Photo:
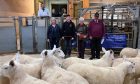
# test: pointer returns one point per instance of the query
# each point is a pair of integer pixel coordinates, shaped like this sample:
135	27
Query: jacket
54	32
68	29
96	29
82	29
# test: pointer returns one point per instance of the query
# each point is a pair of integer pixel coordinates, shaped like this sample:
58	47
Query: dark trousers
67	47
95	48
81	48
54	41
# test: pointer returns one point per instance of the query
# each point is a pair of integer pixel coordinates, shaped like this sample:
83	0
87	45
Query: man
54	33
68	33
43	11
96	31
81	29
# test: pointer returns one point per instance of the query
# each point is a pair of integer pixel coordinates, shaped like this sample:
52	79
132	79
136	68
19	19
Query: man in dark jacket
54	33
96	31
68	34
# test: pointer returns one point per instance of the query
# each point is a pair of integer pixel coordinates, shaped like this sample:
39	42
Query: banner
115	41
110	41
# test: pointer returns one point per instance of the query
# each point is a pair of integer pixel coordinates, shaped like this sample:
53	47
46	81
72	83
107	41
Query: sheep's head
130	64
8	69
109	54
59	53
54	52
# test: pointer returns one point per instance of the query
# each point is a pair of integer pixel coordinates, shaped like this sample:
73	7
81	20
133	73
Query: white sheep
105	61
54	74
17	76
137	69
26	59
129	52
34	68
103	75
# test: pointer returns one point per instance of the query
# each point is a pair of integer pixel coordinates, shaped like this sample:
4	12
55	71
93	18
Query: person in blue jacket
54	33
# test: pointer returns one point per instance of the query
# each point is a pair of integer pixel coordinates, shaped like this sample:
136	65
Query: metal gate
7	34
33	34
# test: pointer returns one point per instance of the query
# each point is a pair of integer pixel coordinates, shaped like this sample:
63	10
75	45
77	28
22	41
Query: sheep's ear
124	58
17	57
12	63
103	49
45	53
59	47
54	47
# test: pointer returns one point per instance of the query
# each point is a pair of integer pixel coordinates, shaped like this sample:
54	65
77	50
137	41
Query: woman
81	34
54	33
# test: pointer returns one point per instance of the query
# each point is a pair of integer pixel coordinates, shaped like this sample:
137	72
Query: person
64	12
54	33
43	11
96	31
68	34
81	30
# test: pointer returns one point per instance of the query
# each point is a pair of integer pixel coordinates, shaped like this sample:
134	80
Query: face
59	53
68	18
53	21
96	17
42	5
108	53
6	70
81	22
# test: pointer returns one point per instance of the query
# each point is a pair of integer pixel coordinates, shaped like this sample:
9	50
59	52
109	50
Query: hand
90	37
78	34
85	36
62	37
48	40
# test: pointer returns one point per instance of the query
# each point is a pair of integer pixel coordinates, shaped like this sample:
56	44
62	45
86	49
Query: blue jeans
67	47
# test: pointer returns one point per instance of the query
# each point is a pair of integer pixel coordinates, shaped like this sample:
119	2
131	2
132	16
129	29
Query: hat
81	19
67	15
53	18
96	14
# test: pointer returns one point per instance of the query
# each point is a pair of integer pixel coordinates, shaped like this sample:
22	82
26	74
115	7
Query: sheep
137	69
34	68
106	60
54	74
25	59
17	75
103	75
129	52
